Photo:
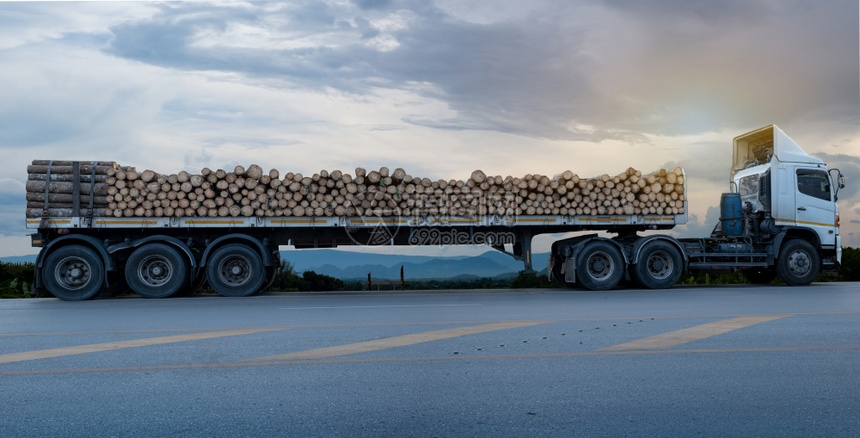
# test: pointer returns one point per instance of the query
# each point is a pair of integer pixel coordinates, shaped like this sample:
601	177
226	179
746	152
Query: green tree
850	268
319	282
15	279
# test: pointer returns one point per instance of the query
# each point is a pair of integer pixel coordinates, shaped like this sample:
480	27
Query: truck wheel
74	273
798	263
659	266
156	271
599	266
759	275
235	271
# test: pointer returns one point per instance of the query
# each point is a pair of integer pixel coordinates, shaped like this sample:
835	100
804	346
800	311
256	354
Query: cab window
815	183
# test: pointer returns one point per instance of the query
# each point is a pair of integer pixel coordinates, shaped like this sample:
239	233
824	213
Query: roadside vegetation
16	278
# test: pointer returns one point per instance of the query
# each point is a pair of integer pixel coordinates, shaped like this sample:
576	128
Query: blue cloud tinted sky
437	87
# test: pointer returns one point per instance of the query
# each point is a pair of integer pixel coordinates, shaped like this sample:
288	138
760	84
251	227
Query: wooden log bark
66	178
378	192
65	187
64	197
69	163
61	212
68	170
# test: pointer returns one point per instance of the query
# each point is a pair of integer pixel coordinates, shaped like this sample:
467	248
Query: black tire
599	266
659	267
74	273
759	275
156	270
798	263
235	270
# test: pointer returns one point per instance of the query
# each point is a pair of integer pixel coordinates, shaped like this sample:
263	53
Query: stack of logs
125	192
65	188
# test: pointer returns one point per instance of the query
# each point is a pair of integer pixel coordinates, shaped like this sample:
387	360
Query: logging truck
104	228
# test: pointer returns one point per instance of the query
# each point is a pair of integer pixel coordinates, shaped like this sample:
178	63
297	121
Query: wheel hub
155	271
660	265
72	273
600	265
235	270
799	263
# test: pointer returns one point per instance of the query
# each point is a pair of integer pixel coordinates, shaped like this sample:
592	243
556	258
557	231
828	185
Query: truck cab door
814	203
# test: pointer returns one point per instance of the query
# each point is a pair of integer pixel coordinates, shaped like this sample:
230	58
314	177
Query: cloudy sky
439	88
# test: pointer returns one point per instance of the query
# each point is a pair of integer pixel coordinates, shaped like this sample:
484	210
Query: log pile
66	188
124	192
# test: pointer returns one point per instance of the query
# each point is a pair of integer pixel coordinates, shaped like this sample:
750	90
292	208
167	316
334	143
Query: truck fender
577	248
261	248
777	244
795	233
62	241
639	244
180	245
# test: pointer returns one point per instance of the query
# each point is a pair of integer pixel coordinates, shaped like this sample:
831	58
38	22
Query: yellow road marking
396	341
692	334
118	345
596	353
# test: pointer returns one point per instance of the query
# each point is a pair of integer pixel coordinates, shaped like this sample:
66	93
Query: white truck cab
788	187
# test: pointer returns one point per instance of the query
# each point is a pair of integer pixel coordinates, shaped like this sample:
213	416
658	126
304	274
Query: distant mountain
19	259
348	265
307	259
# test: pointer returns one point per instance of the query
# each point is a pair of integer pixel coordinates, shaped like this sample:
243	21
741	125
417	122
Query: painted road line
393	306
397	341
118	345
692	334
596	353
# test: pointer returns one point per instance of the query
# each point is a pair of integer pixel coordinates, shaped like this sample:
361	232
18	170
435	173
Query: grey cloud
850	168
726	66
12	209
28	125
706	11
700	163
695	228
372	4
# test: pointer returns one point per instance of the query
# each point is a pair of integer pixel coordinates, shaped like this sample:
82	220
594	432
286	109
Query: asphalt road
690	361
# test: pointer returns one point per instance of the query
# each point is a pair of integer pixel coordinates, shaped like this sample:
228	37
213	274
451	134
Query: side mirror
840	181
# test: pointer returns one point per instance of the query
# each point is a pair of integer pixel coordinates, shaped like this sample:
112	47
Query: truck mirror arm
839	179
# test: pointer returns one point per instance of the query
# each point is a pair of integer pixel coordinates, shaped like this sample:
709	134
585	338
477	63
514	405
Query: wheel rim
600	266
660	265
799	263
155	271
235	270
73	273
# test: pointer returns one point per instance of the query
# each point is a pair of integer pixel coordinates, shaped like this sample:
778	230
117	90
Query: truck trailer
778	219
